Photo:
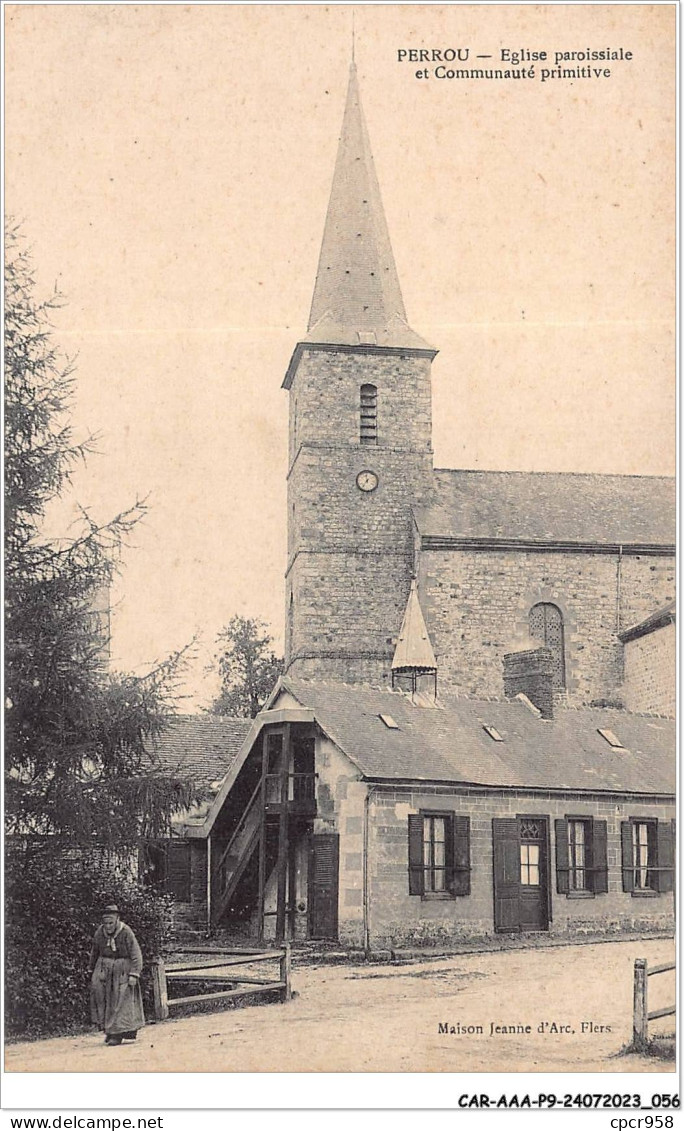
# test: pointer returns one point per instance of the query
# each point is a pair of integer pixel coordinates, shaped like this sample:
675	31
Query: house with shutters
474	730
383	818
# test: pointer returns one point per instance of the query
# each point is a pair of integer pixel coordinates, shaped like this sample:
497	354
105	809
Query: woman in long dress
116	962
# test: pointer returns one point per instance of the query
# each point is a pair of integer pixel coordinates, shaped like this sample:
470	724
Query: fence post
640	1029
285	972
159	991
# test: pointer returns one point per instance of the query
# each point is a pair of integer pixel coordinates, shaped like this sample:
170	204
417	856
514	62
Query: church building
474	731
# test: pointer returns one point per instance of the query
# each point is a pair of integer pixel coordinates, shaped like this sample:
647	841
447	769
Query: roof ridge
208	715
344	683
565	474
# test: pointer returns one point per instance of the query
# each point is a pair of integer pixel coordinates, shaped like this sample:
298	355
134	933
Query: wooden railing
218	966
300	790
642	973
246	813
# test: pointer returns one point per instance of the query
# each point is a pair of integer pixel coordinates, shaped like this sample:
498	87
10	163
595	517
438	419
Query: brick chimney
531	672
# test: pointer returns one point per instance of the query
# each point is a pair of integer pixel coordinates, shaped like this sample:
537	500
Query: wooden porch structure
281	804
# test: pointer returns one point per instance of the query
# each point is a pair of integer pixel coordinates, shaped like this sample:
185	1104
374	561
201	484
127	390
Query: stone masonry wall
350	553
325	399
650	672
397	918
341	798
347	612
476	604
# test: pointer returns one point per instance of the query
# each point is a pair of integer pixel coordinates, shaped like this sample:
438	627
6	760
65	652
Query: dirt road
387	1019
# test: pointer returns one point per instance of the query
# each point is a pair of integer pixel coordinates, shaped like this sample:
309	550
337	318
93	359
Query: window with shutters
643	853
368	429
581	856
434	854
439	855
578	860
546	626
644	858
647	856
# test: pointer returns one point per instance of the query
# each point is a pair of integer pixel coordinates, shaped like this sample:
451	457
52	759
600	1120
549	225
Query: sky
171	166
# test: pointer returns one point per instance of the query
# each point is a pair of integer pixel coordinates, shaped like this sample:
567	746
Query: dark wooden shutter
460	881
599	856
178	870
415	853
666	855
506	844
562	856
627	856
324	885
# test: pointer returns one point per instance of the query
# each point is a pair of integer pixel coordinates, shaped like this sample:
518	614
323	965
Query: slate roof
357	297
659	619
202	747
451	745
548	506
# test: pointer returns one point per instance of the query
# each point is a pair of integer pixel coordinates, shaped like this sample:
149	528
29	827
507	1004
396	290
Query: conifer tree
77	770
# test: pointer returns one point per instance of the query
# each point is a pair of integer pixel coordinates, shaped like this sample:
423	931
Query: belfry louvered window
368	431
546	626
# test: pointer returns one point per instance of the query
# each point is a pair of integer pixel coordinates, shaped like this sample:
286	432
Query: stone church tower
360	446
504	562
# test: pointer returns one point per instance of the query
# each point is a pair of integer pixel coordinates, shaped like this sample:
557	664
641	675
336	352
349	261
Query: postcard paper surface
448	233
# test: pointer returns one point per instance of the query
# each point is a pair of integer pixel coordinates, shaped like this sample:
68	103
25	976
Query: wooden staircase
231	864
278	799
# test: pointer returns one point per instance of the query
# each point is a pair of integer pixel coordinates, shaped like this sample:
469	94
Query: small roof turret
414	650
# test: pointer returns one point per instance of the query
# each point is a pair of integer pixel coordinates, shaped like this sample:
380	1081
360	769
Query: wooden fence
641	1015
220	966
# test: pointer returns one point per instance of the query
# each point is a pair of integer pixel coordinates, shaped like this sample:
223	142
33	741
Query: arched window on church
368	431
546	626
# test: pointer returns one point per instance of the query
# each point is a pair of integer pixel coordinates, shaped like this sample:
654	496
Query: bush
54	902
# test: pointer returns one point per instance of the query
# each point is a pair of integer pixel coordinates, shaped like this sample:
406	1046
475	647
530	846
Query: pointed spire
357	298
414	649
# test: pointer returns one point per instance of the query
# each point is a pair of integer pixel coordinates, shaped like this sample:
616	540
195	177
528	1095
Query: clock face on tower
366	480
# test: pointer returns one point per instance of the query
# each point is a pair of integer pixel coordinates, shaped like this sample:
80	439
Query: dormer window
611	738
368	421
389	722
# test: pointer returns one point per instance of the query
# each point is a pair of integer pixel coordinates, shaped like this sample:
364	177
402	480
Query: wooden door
533	874
323	885
506	844
521	895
